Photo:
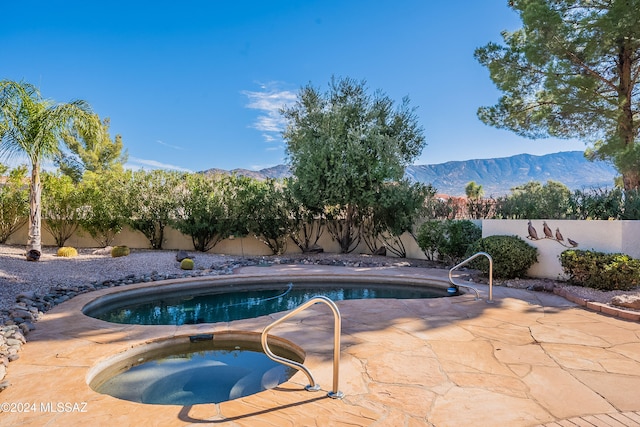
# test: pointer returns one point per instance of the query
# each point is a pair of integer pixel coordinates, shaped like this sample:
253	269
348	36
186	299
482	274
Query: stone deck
528	359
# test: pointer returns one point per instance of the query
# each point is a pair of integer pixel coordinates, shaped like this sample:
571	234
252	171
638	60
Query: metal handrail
466	261
313	386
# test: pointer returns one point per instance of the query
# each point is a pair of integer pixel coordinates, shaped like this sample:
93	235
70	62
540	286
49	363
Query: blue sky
193	85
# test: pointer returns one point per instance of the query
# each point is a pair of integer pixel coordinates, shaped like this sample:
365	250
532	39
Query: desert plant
267	214
104	216
449	239
14	205
63	206
431	235
187	264
512	256
204	212
153	202
67	252
461	234
535	201
601	270
118	251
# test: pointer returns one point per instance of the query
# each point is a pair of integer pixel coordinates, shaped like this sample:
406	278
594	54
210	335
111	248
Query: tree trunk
35	216
626	125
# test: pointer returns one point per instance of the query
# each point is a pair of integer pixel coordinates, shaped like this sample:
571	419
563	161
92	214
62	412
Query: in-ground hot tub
194	369
226	300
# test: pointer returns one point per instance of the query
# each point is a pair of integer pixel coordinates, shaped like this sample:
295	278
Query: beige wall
604	236
174	240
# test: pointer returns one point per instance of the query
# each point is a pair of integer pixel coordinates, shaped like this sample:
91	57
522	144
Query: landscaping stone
627	301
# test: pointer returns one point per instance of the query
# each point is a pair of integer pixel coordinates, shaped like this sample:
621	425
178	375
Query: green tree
14	201
152	202
572	71
204	213
268	215
105	214
32	126
308	225
63	205
473	190
533	200
342	146
90	151
395	212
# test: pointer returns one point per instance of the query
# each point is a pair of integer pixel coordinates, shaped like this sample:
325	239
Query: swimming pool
230	302
207	368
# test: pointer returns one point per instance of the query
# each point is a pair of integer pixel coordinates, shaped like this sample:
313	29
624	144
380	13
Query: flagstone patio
528	359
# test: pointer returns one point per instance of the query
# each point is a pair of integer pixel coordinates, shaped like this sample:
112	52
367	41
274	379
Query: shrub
511	255
600	270
450	239
67	251
461	235
119	251
431	236
187	264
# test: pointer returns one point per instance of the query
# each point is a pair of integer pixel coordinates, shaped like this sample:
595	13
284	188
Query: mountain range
497	176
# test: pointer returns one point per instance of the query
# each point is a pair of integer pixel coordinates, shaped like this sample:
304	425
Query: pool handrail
313	386
466	261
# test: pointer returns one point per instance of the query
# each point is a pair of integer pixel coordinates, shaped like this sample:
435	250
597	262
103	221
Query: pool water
227	304
199	376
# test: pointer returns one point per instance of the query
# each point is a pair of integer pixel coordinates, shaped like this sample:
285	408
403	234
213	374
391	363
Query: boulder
315	249
382	250
33	255
103	251
627	301
182	255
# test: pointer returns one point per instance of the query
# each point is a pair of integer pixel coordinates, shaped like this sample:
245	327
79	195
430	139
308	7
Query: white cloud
136	163
269	101
175	147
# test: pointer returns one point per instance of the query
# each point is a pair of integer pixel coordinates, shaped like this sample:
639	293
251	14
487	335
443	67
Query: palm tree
32	126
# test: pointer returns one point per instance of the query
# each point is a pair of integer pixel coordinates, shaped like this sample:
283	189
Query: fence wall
604	236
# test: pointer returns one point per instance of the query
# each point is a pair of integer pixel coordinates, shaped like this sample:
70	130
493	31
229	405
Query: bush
67	251
187	264
461	235
600	270
511	255
119	251
431	237
450	239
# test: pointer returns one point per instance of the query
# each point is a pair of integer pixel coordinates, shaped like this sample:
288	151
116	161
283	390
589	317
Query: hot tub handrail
313	386
468	260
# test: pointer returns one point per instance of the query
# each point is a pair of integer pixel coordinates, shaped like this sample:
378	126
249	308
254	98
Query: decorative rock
182	255
382	250
315	249
103	251
627	301
33	255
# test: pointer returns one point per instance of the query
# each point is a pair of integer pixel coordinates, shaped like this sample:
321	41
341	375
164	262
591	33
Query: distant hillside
497	176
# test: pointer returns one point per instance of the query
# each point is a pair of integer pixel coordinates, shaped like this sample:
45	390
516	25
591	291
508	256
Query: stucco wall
604	236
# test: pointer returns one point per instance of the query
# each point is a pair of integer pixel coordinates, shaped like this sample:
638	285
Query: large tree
342	146
90	151
572	71
31	125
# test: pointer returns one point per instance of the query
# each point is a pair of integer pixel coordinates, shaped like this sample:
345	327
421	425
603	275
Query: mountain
497	176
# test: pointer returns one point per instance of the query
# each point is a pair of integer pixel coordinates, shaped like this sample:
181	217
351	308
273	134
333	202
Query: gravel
18	276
